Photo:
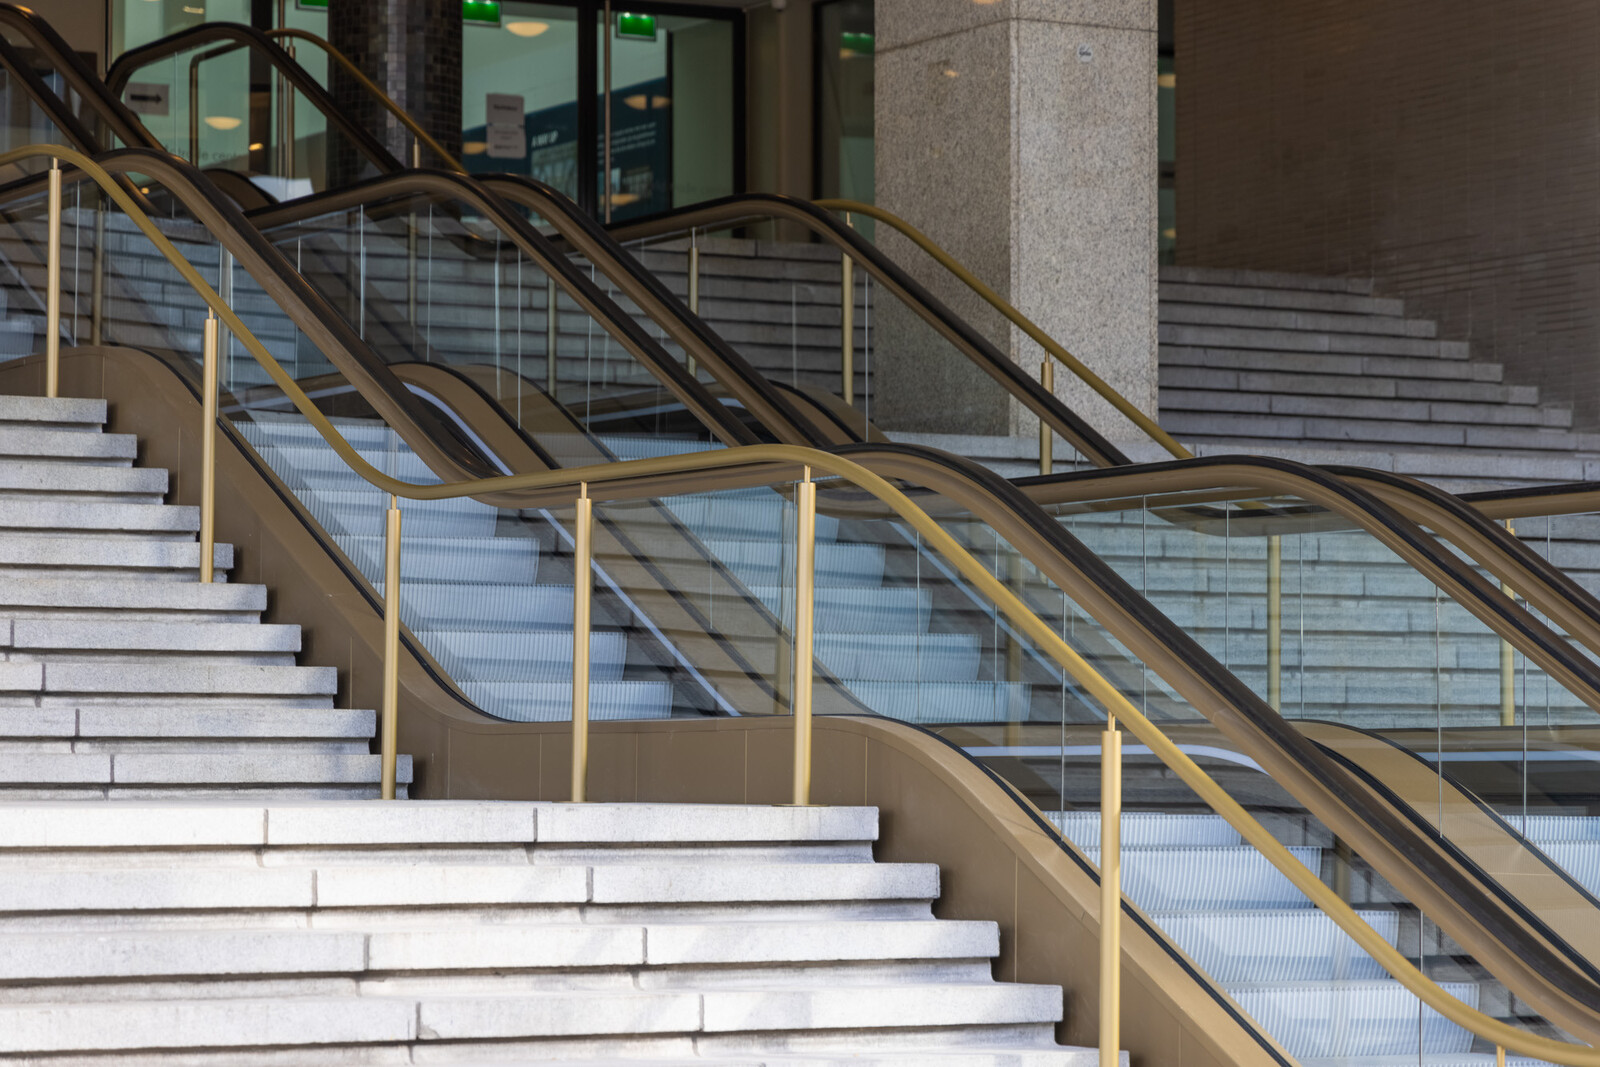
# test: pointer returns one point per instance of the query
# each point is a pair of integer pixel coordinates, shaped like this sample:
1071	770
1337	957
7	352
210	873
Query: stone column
1021	135
412	48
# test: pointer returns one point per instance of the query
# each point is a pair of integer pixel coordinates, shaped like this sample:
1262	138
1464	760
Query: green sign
482	12
636	27
859	44
317	5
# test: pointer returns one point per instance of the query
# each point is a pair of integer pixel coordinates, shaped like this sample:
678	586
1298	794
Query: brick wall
1448	148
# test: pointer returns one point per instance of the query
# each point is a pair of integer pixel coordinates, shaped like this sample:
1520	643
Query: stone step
53	446
131	599
158	675
152	723
1297	341
1202	387
1331	363
70	889
234	823
375	1020
66	519
1177	313
46	636
112	774
25	480
145	954
1257	279
60	413
1174	292
89	556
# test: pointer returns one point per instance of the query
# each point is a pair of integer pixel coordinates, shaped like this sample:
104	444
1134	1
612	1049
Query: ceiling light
474	148
223	122
1167	81
659	102
527	28
638	101
623	199
257	146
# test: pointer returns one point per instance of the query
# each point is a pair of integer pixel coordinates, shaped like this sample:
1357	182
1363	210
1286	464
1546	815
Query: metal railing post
1275	621
52	307
582	582
391	646
1508	664
694	283
552	314
847	326
1110	892
1047	440
208	453
805	539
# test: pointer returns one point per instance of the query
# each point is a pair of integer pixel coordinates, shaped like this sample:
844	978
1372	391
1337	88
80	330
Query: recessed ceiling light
223	122
527	28
257	146
638	101
474	148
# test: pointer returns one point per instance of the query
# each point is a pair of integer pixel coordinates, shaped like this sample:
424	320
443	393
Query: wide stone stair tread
314	1020
82	552
224	770
66	446
47	634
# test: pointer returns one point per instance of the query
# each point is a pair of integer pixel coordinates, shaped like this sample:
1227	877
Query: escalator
934	618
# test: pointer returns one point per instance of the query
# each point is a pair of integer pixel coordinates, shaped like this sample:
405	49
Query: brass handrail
1127	407
374	89
631	480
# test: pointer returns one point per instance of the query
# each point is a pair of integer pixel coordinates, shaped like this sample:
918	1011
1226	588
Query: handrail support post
391	647
1275	621
1110	892
582	588
1508	663
847	325
208	453
52	312
805	538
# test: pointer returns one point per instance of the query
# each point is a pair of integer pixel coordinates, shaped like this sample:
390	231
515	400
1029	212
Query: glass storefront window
519	95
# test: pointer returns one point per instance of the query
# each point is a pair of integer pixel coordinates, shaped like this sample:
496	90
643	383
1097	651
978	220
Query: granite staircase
122	675
235	933
1324	371
188	875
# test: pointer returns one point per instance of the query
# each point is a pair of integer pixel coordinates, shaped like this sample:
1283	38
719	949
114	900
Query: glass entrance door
673	76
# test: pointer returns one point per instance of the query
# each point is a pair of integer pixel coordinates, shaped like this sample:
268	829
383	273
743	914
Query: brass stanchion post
1275	621
391	647
208	452
1110	892
847	326
582	555
805	538
52	306
1508	665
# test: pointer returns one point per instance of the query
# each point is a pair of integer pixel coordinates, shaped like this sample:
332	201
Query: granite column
1021	135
